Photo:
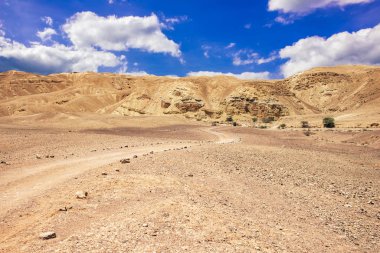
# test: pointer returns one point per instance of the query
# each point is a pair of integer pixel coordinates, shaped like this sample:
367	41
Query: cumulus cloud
86	30
361	47
244	75
46	34
49	59
305	6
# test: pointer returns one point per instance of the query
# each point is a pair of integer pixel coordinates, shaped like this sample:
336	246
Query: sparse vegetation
254	120
329	122
229	118
305	124
307	132
263	127
234	123
267	120
282	126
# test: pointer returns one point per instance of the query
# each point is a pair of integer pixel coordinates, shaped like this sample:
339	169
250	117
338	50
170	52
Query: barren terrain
94	162
202	189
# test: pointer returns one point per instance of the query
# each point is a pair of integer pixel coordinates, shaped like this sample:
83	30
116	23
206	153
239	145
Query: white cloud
49	59
231	45
244	57
284	20
244	75
247	26
47	20
46	34
206	51
137	73
86	29
361	47
110	1
168	23
305	6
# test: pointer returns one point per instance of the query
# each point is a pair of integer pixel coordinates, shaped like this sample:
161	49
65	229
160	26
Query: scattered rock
190	175
145	225
38	156
151	152
81	194
104	174
48	235
127	160
135	156
117	170
65	209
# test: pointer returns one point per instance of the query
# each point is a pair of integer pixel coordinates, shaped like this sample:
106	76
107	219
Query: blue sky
248	39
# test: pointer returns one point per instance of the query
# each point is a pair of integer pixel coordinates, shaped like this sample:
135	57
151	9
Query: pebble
48	235
127	160
81	194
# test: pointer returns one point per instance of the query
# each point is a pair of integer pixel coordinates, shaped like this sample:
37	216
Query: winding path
19	185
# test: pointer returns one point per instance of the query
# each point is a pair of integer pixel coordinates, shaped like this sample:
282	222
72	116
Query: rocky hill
345	91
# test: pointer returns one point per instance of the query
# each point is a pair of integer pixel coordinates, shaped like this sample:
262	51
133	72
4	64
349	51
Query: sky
248	39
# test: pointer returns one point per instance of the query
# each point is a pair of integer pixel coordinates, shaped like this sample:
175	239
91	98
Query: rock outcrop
319	91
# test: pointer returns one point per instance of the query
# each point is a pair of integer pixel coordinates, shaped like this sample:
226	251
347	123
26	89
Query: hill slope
345	91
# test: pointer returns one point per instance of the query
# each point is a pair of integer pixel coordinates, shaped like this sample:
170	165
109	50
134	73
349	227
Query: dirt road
229	190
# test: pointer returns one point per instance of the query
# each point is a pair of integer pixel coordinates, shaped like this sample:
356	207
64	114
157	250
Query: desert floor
191	188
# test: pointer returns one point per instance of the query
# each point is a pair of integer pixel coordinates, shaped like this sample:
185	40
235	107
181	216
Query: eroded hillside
336	90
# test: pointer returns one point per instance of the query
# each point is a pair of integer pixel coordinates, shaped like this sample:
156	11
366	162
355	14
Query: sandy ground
202	189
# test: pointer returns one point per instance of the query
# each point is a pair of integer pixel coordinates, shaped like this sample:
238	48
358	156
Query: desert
190	126
106	171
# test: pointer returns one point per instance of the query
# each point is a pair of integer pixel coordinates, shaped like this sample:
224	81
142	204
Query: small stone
190	175
117	170
151	152
104	174
38	156
145	225
65	209
123	161
135	156
48	235
81	194
371	202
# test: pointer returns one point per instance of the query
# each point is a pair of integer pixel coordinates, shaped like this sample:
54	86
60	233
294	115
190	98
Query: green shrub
328	122
254	120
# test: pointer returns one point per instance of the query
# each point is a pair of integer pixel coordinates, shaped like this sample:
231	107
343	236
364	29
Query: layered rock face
322	90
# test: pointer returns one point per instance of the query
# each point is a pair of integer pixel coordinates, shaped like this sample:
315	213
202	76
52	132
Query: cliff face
318	91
